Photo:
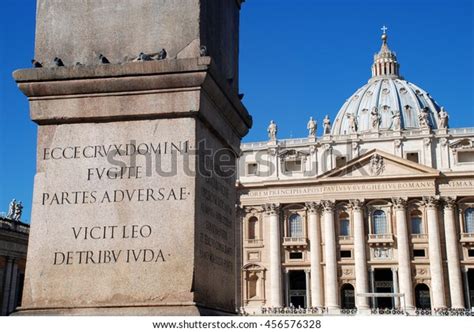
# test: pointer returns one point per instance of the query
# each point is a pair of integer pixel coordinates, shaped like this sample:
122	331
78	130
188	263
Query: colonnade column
466	289
436	263
276	294
404	260
360	257
454	266
314	226
330	279
396	290
308	295
372	286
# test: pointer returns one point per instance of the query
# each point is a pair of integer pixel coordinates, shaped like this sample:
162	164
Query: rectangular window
470	252
416	225
419	253
341	161
296	255
346	254
466	156
413	156
252	169
293	166
380	222
296	225
344	231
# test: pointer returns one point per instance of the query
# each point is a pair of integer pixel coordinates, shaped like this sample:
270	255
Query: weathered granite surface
126	217
79	31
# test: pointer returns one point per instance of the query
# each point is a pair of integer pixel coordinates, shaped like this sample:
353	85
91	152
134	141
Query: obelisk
139	124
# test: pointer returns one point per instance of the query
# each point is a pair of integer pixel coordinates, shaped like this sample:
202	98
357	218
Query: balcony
295	242
253	243
380	239
419	238
467	238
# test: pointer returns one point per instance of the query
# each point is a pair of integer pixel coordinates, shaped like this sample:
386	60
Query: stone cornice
129	78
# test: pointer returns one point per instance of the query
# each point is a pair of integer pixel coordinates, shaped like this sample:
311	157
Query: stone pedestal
133	207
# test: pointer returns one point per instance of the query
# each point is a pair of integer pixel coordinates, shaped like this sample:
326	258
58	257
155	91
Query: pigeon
36	64
241	96
203	50
58	62
103	59
161	55
144	57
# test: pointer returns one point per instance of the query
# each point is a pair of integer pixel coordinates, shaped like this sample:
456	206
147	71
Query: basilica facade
377	212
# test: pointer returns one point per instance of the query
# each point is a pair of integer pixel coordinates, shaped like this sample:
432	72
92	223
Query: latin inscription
363	187
111	234
217	246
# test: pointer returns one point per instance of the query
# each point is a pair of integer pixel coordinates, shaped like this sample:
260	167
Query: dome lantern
385	61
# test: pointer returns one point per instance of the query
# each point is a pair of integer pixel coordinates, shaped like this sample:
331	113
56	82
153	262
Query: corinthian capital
399	203
431	202
356	204
271	208
313	207
327	206
449	202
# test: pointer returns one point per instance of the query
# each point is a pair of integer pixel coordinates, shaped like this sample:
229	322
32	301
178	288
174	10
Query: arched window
469	220
252	228
416	222
380	222
422	296
296	225
344	224
347	297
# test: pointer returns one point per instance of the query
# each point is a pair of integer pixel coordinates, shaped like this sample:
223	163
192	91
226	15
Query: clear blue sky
298	58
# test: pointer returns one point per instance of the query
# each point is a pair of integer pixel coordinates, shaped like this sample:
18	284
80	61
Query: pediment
464	143
376	163
292	154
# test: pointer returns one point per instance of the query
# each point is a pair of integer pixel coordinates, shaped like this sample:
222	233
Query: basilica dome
387	101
